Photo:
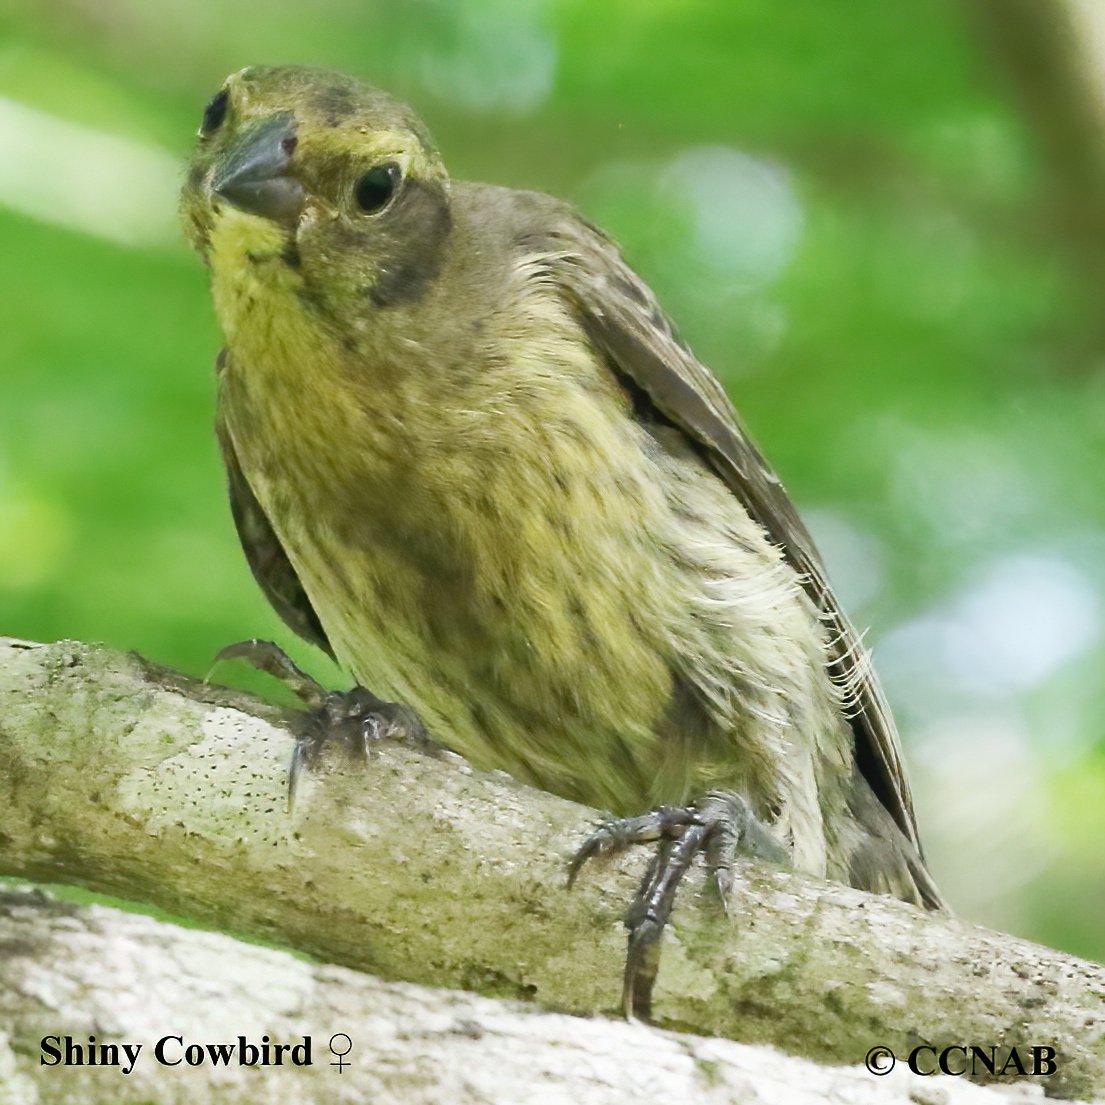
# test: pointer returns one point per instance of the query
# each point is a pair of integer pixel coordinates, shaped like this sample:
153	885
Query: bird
471	459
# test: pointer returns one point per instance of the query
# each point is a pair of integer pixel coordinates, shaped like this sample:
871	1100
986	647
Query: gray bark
131	781
77	971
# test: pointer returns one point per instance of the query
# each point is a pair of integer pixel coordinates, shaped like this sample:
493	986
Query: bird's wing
266	556
621	315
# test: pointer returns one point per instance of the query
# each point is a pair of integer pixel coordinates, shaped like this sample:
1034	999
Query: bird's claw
269	657
354	720
719	826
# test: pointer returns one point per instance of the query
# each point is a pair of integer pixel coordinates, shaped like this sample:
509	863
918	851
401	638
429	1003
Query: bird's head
317	173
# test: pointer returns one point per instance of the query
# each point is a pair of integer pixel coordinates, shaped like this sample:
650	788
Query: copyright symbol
880	1060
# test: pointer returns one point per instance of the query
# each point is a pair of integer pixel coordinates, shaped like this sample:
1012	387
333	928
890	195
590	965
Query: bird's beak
254	176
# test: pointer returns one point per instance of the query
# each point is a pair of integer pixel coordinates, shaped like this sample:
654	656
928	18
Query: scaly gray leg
721	826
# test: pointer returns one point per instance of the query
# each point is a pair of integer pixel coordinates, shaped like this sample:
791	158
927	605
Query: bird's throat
250	275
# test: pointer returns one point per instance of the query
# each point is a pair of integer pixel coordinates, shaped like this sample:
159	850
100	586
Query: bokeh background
882	224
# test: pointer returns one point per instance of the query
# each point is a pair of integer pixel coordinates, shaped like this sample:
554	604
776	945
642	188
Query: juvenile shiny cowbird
469	458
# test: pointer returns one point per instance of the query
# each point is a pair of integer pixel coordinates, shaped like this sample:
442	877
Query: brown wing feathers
621	316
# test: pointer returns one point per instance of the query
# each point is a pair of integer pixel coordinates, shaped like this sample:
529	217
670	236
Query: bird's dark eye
375	189
214	113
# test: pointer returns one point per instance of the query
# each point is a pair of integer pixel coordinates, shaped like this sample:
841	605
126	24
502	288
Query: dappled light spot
496	56
1017	624
35	536
86	180
745	218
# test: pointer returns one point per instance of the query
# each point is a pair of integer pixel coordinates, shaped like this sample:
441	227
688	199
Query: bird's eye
376	188
214	113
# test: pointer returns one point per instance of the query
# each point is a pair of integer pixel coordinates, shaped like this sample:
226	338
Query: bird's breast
487	554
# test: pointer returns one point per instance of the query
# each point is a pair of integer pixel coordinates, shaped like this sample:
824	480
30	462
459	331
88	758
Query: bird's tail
880	858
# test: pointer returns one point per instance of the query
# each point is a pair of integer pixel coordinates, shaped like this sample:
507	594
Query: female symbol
340	1045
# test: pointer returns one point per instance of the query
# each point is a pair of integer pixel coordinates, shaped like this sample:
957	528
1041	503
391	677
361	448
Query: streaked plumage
469	457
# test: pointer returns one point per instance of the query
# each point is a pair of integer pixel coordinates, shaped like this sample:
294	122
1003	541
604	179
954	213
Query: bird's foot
721	826
353	720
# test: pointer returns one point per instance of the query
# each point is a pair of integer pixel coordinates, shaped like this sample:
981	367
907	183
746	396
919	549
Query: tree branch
128	780
76	971
1050	56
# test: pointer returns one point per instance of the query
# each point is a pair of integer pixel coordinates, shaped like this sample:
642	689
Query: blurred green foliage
846	216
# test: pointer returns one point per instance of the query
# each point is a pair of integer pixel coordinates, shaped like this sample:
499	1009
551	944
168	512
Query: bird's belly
555	660
561	686
553	612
